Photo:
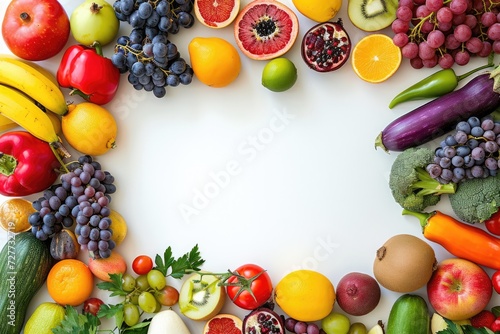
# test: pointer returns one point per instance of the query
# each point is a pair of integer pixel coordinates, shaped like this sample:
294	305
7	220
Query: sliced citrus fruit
265	29
375	58
216	13
223	324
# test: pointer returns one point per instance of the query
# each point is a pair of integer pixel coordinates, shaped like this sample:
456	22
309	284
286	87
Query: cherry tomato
253	286
142	264
495	279
92	305
493	223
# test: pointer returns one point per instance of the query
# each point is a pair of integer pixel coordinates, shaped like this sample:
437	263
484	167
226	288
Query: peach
459	289
101	268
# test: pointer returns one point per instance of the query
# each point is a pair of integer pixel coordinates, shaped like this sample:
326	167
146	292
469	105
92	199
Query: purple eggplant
439	116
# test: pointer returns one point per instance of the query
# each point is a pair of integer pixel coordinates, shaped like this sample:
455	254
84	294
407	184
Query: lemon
318	10
305	295
215	61
118	226
279	74
14	214
46	316
89	128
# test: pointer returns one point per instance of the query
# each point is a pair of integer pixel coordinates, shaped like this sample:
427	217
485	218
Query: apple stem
95	8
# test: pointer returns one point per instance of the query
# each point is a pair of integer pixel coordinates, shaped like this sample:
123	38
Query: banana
20	108
6	124
34	82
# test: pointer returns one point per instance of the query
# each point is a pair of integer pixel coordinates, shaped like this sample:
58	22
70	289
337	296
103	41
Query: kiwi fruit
201	297
372	15
404	263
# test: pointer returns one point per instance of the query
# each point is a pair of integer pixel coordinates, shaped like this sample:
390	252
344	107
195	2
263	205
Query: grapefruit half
216	13
223	324
265	29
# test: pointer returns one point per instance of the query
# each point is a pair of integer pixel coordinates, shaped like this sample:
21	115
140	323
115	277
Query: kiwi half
372	15
201	297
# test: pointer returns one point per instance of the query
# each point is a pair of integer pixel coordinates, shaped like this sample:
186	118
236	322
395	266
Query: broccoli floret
476	200
411	186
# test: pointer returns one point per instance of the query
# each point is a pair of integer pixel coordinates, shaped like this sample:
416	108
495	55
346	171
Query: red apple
35	29
459	289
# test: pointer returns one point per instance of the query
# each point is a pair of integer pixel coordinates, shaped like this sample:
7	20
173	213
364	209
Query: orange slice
216	13
375	58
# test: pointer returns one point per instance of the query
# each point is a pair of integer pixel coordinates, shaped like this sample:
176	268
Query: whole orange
70	282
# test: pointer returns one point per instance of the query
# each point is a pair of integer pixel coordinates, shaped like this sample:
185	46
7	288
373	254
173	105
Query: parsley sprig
177	268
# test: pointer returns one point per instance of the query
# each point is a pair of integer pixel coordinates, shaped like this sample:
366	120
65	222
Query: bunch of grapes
151	59
301	327
83	195
437	32
472	151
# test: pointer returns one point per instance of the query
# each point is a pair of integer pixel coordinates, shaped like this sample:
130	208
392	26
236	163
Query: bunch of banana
35	81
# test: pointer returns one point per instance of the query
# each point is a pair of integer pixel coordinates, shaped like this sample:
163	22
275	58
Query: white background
312	194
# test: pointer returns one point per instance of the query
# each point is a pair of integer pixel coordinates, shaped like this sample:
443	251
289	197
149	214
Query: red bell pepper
88	73
27	164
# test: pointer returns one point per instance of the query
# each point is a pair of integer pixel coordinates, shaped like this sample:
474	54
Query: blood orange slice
223	324
216	13
265	29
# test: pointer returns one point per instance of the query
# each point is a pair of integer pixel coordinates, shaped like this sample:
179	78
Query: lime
279	74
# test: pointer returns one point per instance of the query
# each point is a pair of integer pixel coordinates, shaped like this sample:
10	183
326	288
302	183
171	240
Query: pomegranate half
326	46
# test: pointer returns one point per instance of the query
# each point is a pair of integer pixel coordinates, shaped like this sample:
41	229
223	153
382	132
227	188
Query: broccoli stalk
411	185
426	185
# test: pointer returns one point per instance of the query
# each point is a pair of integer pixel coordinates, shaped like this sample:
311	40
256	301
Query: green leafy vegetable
115	285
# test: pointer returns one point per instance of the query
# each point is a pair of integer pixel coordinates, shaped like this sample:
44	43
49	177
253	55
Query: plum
358	293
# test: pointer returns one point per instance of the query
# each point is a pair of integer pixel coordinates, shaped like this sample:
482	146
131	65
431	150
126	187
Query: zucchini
25	263
409	315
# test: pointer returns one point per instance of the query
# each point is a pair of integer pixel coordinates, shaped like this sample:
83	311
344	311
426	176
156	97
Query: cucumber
409	315
25	263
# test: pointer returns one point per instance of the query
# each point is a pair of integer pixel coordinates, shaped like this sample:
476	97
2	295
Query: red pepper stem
79	93
465	75
98	47
8	164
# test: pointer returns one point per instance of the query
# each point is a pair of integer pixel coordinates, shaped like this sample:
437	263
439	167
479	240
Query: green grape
158	307
134	298
156	279
128	283
147	302
336	323
141	282
358	328
130	314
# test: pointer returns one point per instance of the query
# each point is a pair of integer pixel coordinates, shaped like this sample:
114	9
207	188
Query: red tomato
495	279
249	279
92	305
493	223
142	264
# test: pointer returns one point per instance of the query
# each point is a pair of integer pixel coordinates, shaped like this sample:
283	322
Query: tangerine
70	282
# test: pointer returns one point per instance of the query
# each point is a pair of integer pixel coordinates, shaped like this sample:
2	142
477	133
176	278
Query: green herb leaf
140	328
109	311
190	261
115	286
75	323
453	328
